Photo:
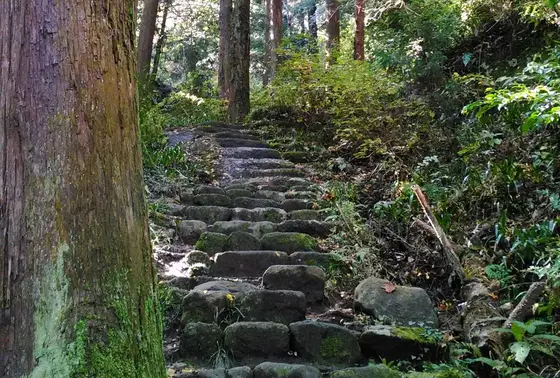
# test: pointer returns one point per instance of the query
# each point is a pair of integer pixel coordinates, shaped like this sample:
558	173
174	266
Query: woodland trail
246	278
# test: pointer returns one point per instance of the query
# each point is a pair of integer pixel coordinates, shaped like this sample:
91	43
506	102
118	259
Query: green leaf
547	337
520	351
518	330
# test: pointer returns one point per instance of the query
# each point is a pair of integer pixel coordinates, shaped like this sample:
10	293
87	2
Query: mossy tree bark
333	29
239	105
77	295
275	30
225	50
359	31
146	40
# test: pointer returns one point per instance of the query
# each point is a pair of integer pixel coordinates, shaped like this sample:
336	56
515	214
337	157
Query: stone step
253	203
305	215
236	142
300	195
216	127
257	163
255	173
236	135
282	183
257	339
289	242
308	279
247	263
310	227
259	229
207	214
259	214
250	153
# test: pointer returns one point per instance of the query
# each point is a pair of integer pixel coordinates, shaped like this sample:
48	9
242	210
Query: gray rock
251	153
240	372
296	204
289	242
400	343
253	203
172	208
304	215
200	340
325	343
234	142
271	195
212	242
308	279
243	241
237	193
208	189
300	195
190	230
186	197
202	307
269	214
198	257
247	263
406	306
310	227
212	200
207	214
279	306
209	373
319	259
371	371
257	339
260	228
229	227
278	370
232	287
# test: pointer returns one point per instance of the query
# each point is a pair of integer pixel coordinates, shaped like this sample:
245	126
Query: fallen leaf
389	287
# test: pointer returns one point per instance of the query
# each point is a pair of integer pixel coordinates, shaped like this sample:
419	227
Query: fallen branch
450	255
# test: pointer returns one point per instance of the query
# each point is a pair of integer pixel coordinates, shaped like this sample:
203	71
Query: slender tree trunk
333	29
225	51
267	31
301	21
239	105
312	22
275	26
162	38
359	33
77	295
146	40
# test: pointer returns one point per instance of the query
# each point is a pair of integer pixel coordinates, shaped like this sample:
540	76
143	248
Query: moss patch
417	334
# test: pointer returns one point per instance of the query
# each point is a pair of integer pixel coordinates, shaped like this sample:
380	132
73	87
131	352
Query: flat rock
269	214
247	263
207	214
257	339
371	371
278	306
233	287
406	306
212	200
271	195
310	227
325	343
308	279
208	189
253	203
289	242
400	343
322	260
237	193
200	340
278	370
189	231
212	242
296	204
304	215
243	241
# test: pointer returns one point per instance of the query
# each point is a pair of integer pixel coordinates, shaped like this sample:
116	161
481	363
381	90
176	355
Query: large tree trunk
146	40
238	106
312	22
333	29
77	295
225	50
161	38
267	30
359	32
275	25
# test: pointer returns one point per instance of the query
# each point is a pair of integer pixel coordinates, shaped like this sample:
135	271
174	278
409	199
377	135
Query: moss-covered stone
200	340
304	215
212	200
289	242
372	371
212	242
243	241
279	370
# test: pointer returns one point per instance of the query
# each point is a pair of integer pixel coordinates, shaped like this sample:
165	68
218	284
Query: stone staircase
256	275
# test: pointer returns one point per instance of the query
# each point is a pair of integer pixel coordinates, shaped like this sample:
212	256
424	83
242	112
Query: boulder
257	339
212	242
319	259
308	279
304	215
247	263
202	307
207	214
405	306
400	343
371	371
289	242
243	241
198	257
278	370
200	340
325	343
296	204
212	200
279	306
190	230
